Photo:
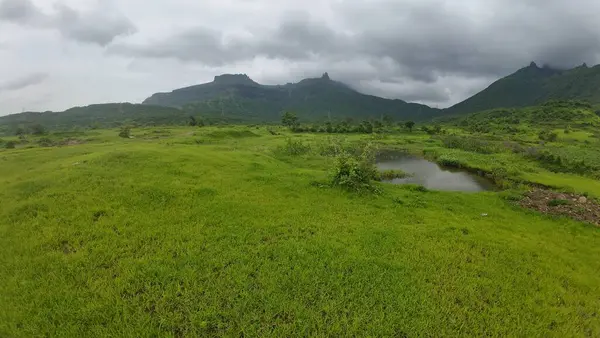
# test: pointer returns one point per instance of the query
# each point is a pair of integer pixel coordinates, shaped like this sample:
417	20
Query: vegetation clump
356	172
471	144
557	202
549	136
294	147
125	132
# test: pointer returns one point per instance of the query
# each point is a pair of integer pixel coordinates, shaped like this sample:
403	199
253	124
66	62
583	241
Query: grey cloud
23	82
419	41
98	26
19	11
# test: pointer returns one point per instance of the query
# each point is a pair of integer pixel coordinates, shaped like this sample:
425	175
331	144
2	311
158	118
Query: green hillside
237	96
552	114
535	85
97	115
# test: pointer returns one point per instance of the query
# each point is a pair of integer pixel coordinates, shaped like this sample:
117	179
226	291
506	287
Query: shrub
45	142
125	132
511	195
557	202
546	135
449	161
38	129
356	173
10	145
333	146
294	147
471	144
416	188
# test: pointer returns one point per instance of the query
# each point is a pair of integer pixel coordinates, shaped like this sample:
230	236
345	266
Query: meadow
236	231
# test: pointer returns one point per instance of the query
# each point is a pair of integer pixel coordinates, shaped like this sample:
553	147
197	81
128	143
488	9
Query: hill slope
550	115
238	96
533	85
105	115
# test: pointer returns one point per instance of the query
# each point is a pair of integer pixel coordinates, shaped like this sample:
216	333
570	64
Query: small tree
409	125
366	127
388	120
10	145
38	129
328	127
289	120
125	132
193	121
20	131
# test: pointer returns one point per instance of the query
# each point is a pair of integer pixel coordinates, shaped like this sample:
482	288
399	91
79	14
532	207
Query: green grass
161	235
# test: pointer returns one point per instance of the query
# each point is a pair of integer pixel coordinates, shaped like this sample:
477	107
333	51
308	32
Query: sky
56	54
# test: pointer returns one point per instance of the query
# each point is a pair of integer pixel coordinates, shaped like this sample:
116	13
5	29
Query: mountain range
534	85
237	98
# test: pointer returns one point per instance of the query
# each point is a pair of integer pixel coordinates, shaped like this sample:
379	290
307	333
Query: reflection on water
431	175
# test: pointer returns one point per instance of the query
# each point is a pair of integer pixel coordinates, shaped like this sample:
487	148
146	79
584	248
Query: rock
484	215
582	199
561	197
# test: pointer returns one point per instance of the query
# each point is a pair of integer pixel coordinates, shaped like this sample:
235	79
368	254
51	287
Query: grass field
216	231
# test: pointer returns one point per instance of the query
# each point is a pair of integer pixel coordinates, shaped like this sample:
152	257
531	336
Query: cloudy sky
55	54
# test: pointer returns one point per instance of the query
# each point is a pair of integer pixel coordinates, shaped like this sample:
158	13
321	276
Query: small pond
431	175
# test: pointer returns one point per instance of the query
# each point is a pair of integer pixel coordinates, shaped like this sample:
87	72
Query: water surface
431	175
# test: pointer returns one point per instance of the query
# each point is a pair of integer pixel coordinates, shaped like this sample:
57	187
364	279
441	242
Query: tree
125	132
289	119
328	127
366	127
193	121
377	125
20	131
409	125
388	120
38	129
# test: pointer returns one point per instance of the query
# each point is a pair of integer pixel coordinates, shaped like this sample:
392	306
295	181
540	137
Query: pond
431	175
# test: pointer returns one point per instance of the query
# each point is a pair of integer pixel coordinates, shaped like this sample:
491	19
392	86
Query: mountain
551	115
101	115
238	96
535	85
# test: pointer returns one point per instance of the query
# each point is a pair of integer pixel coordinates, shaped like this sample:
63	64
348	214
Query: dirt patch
578	207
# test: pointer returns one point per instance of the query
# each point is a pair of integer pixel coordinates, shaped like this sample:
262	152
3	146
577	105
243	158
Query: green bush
511	195
546	135
449	161
294	147
333	146
10	145
557	202
471	144
356	173
45	142
125	132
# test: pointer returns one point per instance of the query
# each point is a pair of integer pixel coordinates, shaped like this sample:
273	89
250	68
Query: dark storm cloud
99	26
298	39
23	82
423	39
